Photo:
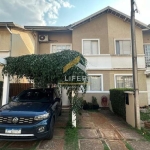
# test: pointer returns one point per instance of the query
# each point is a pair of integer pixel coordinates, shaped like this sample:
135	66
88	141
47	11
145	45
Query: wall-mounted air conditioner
43	38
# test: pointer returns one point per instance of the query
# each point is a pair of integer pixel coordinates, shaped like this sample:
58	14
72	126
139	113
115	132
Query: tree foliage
47	69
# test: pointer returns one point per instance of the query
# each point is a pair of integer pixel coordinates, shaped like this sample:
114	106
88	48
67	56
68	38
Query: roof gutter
10	39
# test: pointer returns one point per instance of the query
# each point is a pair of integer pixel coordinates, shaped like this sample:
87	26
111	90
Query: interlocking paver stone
85	124
85	114
86	118
105	126
111	134
59	133
116	145
130	134
140	145
20	145
60	124
88	133
92	144
119	125
54	144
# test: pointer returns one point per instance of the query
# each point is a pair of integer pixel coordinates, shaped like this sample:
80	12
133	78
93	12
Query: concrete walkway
96	130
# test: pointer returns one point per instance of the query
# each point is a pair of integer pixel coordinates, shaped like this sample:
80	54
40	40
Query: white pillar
73	114
65	101
73	119
5	90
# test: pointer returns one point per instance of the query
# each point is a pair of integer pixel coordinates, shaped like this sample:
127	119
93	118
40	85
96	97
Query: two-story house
146	42
104	38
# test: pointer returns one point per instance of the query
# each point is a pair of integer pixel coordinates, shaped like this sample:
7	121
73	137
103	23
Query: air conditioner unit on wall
43	38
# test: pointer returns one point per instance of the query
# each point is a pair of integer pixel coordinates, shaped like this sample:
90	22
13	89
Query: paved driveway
96	130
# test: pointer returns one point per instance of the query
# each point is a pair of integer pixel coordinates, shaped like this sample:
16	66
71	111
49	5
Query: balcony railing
113	62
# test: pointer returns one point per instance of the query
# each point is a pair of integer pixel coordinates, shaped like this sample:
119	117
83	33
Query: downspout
10	39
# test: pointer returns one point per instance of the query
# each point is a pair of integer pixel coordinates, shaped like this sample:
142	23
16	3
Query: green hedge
117	97
1	89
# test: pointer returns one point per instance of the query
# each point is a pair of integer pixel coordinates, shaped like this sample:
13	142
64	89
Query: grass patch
71	136
145	133
128	146
144	116
105	145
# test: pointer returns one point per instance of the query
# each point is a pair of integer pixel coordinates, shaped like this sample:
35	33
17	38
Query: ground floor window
94	83
124	81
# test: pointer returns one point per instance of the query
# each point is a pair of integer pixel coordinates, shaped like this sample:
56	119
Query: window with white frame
59	47
147	54
94	83
124	81
123	47
90	46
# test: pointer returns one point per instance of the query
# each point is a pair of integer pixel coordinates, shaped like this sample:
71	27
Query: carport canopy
47	69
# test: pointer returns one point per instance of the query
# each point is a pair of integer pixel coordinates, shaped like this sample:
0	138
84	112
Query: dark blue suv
30	115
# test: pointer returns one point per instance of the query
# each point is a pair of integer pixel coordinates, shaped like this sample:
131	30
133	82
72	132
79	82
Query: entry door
148	89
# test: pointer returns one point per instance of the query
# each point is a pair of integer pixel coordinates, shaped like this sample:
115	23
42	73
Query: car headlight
42	117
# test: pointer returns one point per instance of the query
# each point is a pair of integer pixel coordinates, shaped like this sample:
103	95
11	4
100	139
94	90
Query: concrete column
5	90
65	101
73	119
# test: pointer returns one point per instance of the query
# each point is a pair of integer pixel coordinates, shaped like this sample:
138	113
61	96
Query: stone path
96	131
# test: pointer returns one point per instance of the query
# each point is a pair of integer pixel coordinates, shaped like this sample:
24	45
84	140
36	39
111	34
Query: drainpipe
10	39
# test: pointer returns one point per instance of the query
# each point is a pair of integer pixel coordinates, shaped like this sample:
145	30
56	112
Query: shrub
94	102
90	105
117	97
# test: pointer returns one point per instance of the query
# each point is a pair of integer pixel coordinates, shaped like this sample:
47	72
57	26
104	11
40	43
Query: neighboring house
104	38
146	42
15	41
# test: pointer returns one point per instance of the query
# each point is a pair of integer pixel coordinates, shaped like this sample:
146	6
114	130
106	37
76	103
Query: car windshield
35	96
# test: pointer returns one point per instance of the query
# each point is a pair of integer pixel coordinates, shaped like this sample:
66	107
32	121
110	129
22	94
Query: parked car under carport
30	115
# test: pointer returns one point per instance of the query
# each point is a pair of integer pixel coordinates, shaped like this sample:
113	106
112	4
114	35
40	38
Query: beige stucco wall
119	29
109	83
23	42
146	37
4	39
58	37
95	29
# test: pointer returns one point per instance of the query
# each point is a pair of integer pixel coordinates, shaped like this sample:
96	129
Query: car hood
24	108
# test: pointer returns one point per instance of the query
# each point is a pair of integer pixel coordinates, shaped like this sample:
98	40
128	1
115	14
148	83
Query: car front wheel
51	130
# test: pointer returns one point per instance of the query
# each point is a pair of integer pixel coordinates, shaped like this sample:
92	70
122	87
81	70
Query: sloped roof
11	24
112	11
47	28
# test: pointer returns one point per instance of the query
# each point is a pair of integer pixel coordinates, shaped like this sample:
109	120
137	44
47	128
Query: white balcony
113	62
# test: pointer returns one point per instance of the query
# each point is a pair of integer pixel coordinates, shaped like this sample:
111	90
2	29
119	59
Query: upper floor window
124	81
147	54
90	47
59	47
123	47
94	83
